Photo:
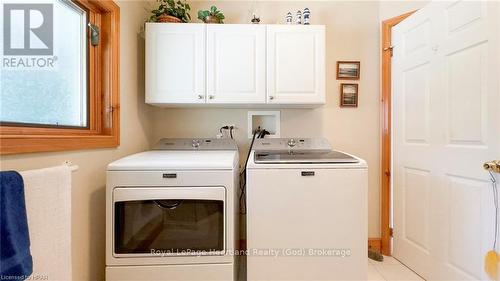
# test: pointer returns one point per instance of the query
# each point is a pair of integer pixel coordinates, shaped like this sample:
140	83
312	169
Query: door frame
385	126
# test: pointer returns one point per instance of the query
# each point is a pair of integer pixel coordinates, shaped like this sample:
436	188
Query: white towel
48	206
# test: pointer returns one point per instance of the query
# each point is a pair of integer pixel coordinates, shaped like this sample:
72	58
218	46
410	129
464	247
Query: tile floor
390	270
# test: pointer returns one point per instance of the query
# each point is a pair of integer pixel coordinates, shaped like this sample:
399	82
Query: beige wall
88	190
352	34
390	9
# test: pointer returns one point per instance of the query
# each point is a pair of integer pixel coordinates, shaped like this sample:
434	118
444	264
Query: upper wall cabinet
175	63
235	64
296	64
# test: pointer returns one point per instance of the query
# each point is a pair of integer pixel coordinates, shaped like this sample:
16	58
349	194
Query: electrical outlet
226	131
228	125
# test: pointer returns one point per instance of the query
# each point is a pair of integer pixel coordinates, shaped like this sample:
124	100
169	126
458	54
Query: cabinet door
296	64
236	63
175	63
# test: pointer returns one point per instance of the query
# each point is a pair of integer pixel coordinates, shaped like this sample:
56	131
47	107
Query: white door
175	63
445	126
236	63
296	64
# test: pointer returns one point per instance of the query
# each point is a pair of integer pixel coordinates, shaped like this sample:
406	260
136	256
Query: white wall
88	190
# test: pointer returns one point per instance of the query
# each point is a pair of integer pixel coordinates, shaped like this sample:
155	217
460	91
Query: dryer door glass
168	226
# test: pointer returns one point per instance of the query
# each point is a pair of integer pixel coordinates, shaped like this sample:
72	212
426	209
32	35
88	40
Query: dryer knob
196	143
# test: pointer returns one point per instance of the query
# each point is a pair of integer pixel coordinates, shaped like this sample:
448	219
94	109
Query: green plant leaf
201	15
213	9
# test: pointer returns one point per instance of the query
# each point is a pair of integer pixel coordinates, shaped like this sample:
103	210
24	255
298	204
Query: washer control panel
196	144
285	144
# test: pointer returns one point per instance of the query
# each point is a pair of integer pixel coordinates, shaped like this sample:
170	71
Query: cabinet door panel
175	63
236	63
296	64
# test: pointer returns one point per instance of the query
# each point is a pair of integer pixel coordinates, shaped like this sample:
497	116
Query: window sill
14	144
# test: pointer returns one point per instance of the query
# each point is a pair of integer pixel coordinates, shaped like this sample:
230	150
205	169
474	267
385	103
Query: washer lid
302	157
160	160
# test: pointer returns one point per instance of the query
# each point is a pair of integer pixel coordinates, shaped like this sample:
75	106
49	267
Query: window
59	75
50	95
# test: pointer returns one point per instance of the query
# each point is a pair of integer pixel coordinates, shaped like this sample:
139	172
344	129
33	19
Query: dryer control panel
196	144
296	144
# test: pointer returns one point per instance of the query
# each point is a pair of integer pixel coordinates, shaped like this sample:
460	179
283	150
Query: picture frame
348	95
348	70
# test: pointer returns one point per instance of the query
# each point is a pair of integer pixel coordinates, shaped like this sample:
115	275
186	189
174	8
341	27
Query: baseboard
375	244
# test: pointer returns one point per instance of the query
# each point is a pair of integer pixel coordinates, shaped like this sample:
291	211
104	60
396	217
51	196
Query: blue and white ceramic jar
298	20
307	15
288	18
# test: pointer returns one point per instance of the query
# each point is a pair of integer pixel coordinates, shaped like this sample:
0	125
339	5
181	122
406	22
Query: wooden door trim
374	244
385	120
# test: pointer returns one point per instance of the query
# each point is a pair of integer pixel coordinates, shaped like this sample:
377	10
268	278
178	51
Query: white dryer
171	213
306	212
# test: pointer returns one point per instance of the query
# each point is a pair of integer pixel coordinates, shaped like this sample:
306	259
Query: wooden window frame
385	120
103	95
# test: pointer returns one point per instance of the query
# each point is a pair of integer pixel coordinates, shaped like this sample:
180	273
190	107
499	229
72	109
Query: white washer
306	212
171	213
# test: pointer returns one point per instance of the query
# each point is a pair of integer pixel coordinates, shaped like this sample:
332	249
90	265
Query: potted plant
171	11
211	16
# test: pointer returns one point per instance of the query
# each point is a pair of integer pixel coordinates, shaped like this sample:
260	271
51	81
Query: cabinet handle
211	97
200	97
271	98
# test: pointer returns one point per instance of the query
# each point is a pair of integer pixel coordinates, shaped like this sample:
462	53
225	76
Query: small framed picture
348	70
348	95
